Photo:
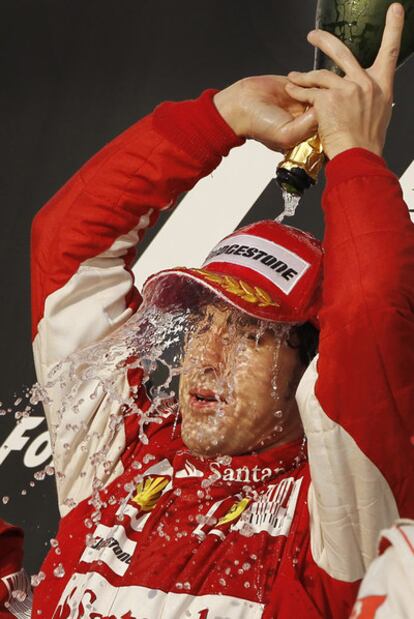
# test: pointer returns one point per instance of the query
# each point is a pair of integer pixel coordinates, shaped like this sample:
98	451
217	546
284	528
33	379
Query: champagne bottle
360	25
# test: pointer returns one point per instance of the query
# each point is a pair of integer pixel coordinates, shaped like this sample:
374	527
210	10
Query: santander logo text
64	611
92	596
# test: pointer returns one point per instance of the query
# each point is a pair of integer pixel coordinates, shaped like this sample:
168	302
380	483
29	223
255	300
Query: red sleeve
366	356
136	175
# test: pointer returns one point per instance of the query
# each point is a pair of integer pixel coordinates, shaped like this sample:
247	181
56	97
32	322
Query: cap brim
172	289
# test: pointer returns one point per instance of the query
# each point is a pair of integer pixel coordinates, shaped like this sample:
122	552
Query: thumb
297	130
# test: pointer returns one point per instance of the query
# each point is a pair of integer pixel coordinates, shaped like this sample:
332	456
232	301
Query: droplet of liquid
89	540
36	579
59	571
147	458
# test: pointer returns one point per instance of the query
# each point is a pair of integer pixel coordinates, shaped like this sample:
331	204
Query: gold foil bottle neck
308	156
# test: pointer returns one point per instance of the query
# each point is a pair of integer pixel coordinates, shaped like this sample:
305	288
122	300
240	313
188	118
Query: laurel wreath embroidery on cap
251	294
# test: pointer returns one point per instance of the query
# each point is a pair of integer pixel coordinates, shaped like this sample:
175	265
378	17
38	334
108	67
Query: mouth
205	399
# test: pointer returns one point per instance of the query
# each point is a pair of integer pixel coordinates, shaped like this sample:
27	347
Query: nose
212	350
211	341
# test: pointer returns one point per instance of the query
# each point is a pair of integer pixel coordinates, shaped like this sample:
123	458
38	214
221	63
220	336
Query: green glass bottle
360	25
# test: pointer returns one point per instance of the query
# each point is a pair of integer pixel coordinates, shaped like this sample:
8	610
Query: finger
304	95
316	79
338	52
298	129
385	63
288	103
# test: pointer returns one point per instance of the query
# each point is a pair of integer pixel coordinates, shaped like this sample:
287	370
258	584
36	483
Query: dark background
73	75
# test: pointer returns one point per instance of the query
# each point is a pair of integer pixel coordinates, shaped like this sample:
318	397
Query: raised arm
84	238
358	417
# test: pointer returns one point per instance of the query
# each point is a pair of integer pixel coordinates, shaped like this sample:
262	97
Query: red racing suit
387	591
167	546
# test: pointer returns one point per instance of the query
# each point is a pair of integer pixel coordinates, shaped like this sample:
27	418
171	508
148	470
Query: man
230	519
15	592
387	590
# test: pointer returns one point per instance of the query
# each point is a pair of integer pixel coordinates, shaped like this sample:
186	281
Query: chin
209	436
210	449
207	448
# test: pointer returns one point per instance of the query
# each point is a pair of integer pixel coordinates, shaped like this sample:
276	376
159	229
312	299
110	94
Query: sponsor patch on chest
112	546
274	511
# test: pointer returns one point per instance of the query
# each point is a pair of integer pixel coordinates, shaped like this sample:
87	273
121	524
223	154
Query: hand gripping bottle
360	25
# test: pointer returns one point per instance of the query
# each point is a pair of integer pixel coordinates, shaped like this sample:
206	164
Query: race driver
15	590
228	514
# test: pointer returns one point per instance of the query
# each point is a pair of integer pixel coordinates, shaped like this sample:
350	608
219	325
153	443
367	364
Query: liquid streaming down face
237	385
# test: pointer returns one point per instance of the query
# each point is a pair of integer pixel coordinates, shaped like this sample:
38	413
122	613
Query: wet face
238	384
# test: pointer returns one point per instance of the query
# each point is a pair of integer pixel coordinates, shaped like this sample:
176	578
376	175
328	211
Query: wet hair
304	338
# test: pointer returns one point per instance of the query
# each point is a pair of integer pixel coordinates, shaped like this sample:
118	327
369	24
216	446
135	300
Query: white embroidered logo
189	470
274	511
